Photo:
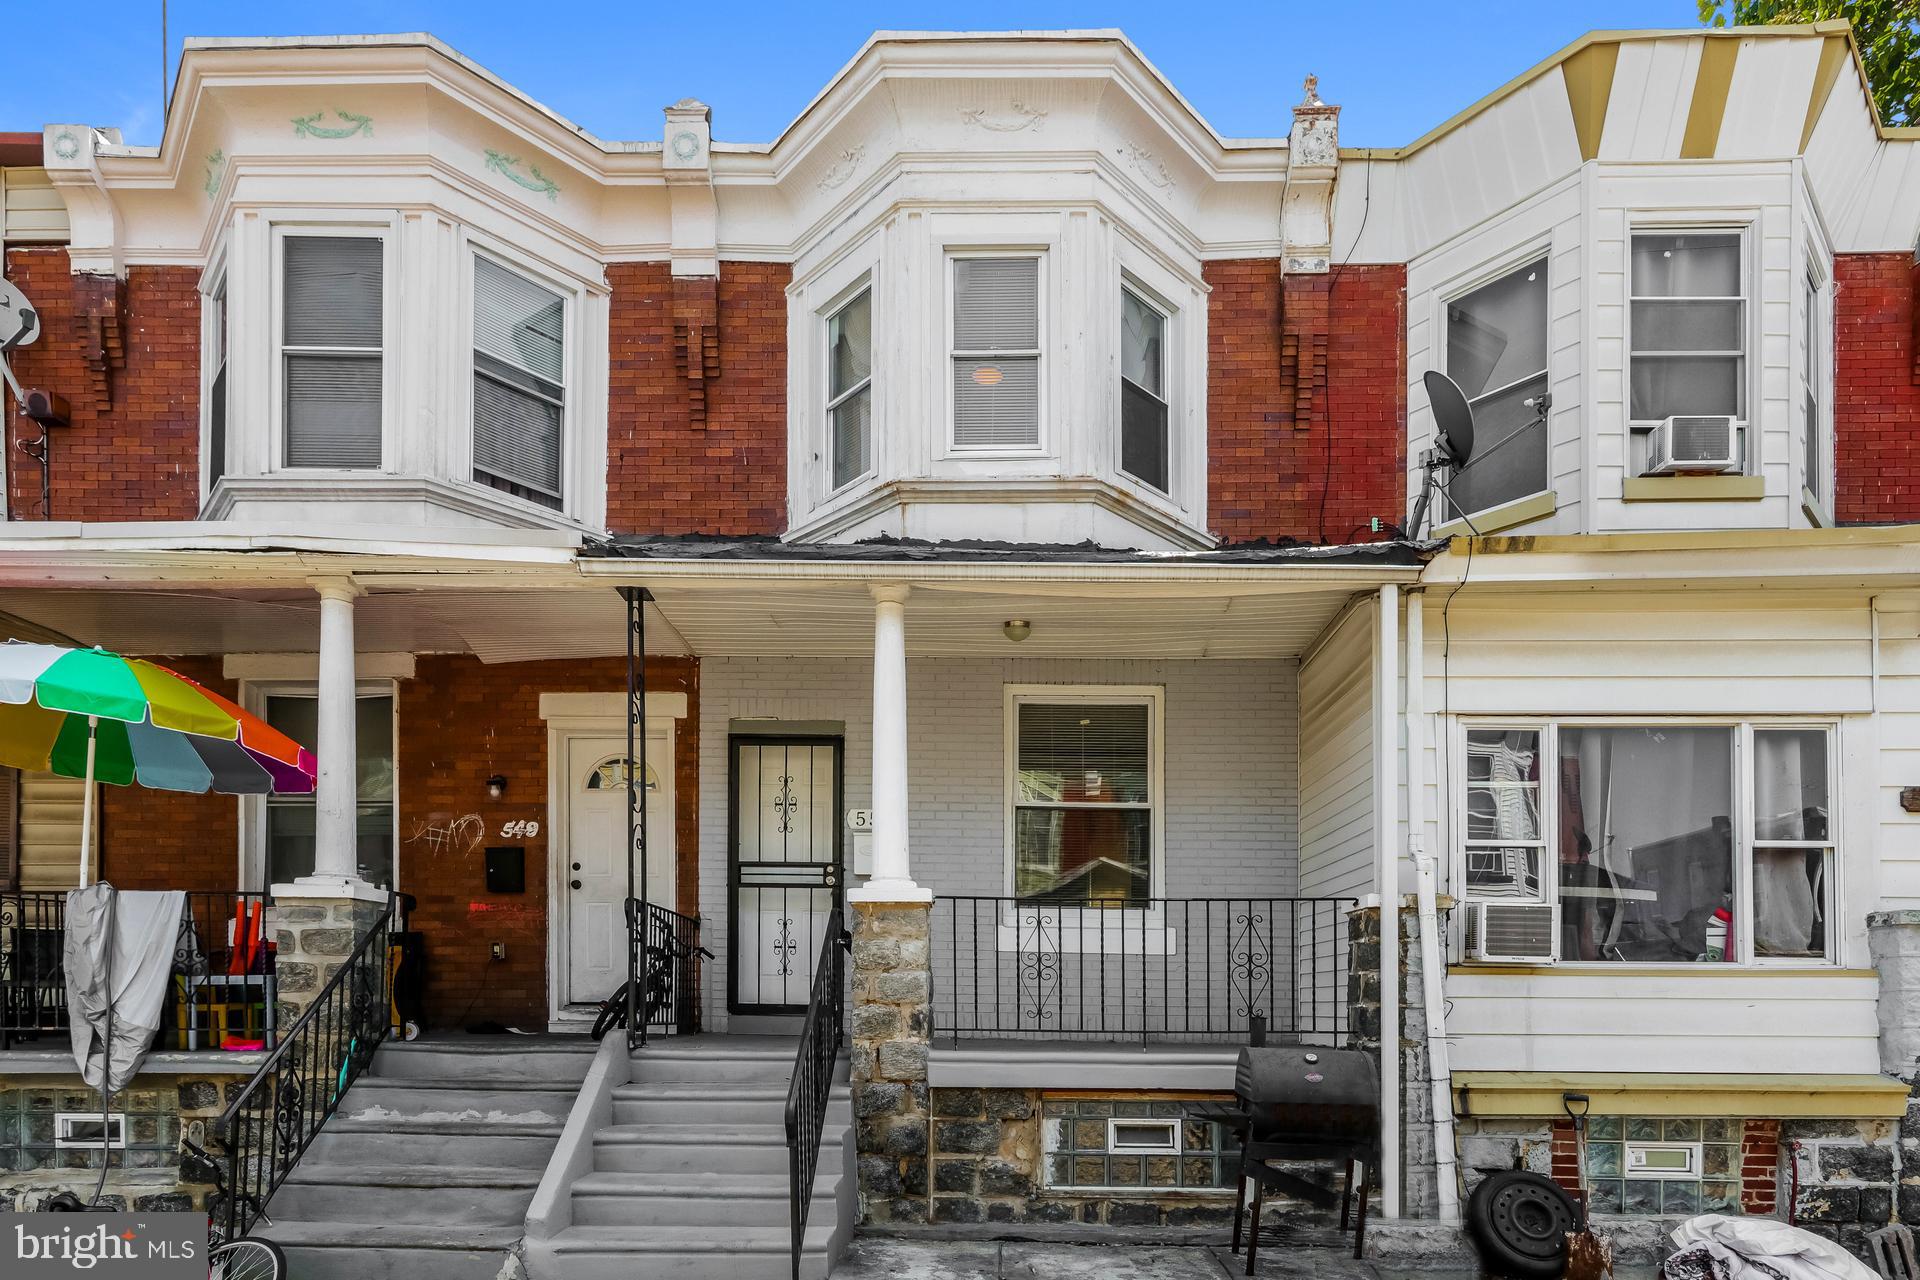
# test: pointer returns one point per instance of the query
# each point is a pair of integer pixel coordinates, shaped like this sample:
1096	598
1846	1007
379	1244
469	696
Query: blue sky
1397	68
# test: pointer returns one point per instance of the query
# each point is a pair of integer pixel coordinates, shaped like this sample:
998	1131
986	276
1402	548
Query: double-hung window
519	383
1687	325
288	837
1811	375
850	390
1497	352
215	357
1083	794
996	354
1143	391
331	350
1656	843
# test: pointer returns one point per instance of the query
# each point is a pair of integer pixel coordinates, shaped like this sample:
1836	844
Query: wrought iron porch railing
1143	968
211	995
271	1122
667	997
814	1065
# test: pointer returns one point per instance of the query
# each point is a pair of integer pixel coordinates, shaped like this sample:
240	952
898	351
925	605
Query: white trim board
600	706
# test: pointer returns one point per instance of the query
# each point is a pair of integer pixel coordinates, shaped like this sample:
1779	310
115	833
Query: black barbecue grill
1302	1103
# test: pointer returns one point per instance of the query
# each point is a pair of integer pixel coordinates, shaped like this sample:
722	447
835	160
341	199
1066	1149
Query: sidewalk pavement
891	1258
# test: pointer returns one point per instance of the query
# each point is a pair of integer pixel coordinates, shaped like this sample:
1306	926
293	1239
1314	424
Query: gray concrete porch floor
886	1258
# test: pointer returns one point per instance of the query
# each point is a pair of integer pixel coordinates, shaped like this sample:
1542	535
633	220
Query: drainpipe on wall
1386	826
1432	954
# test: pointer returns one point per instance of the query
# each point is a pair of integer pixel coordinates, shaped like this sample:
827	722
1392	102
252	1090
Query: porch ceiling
762	619
495	626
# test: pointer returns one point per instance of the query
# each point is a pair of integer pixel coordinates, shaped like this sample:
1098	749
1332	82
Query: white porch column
892	879
336	863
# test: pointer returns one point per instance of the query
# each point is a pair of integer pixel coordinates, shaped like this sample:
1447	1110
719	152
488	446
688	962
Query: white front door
593	875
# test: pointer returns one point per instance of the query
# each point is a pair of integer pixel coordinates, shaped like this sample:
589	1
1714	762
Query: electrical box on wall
507	868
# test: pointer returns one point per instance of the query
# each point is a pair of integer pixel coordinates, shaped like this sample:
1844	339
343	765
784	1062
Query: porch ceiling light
1016	629
497	785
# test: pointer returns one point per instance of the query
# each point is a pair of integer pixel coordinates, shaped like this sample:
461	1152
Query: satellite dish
19	322
1452	418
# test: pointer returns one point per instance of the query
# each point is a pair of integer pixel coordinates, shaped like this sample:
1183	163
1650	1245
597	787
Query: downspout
1432	954
1386	826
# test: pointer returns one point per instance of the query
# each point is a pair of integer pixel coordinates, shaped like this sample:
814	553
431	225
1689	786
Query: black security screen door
784	861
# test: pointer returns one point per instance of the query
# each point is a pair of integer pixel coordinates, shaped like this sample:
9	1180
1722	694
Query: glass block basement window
28	1139
1088	1143
1710	1183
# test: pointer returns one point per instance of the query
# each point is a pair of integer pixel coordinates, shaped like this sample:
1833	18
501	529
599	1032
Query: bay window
519	383
1497	352
1083	794
1812	375
1143	391
1687	325
332	349
1655	843
996	353
850	390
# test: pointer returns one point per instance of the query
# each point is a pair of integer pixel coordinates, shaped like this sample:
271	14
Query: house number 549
522	829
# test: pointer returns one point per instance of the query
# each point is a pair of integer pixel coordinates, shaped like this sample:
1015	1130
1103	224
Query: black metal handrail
1139	968
33	983
814	1066
272	1121
667	998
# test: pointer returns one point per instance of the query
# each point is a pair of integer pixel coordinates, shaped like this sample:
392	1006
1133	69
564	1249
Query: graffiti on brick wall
440	833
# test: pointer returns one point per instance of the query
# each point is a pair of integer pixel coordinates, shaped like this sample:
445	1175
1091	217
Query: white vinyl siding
332	350
519	383
1336	778
849	406
30	209
996	353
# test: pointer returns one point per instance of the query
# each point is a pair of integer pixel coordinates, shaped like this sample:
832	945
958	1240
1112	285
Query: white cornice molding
70	153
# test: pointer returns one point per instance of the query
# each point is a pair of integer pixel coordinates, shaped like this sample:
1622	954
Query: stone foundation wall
159	1107
313	937
1846	1177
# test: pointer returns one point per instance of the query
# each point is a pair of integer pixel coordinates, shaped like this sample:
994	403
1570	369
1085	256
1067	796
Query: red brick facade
460	722
1306	400
667	470
1876	402
139	458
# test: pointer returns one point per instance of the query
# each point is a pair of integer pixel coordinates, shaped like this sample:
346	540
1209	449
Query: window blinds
1082	753
996	353
519	393
331	345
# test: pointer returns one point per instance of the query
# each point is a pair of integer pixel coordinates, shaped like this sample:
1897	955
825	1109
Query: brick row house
1005	479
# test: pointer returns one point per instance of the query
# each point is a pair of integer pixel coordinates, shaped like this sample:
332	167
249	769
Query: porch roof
889	550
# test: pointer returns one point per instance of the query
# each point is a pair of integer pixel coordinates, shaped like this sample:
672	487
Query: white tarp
1762	1249
143	929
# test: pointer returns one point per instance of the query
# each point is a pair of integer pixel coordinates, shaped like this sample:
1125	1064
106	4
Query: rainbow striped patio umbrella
87	713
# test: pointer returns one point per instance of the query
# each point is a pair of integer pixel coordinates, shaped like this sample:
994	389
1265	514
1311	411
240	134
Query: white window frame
1169	385
478	248
216	312
1042	445
823	317
1813	371
1744	842
1536	252
1725	222
253	813
389	341
1114	930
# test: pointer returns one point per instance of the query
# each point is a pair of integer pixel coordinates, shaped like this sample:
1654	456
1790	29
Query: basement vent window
1666	1164
1138	1145
84	1130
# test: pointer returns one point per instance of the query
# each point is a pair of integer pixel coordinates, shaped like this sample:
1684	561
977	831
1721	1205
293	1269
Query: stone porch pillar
892	1019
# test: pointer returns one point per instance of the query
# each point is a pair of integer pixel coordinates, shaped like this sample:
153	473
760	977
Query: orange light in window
987	376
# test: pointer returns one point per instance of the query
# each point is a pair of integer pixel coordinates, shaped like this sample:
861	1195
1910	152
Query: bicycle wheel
613	1013
248	1259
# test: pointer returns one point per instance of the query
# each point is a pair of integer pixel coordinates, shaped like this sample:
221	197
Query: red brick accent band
1876	400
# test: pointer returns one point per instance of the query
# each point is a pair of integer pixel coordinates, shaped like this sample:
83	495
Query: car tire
1520	1220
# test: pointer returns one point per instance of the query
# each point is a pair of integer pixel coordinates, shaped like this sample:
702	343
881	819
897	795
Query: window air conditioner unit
1514	931
1693	443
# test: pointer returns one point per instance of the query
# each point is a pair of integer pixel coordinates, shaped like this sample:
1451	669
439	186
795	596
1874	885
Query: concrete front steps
689	1179
426	1170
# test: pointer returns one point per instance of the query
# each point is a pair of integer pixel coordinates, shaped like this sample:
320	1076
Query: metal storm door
784	857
